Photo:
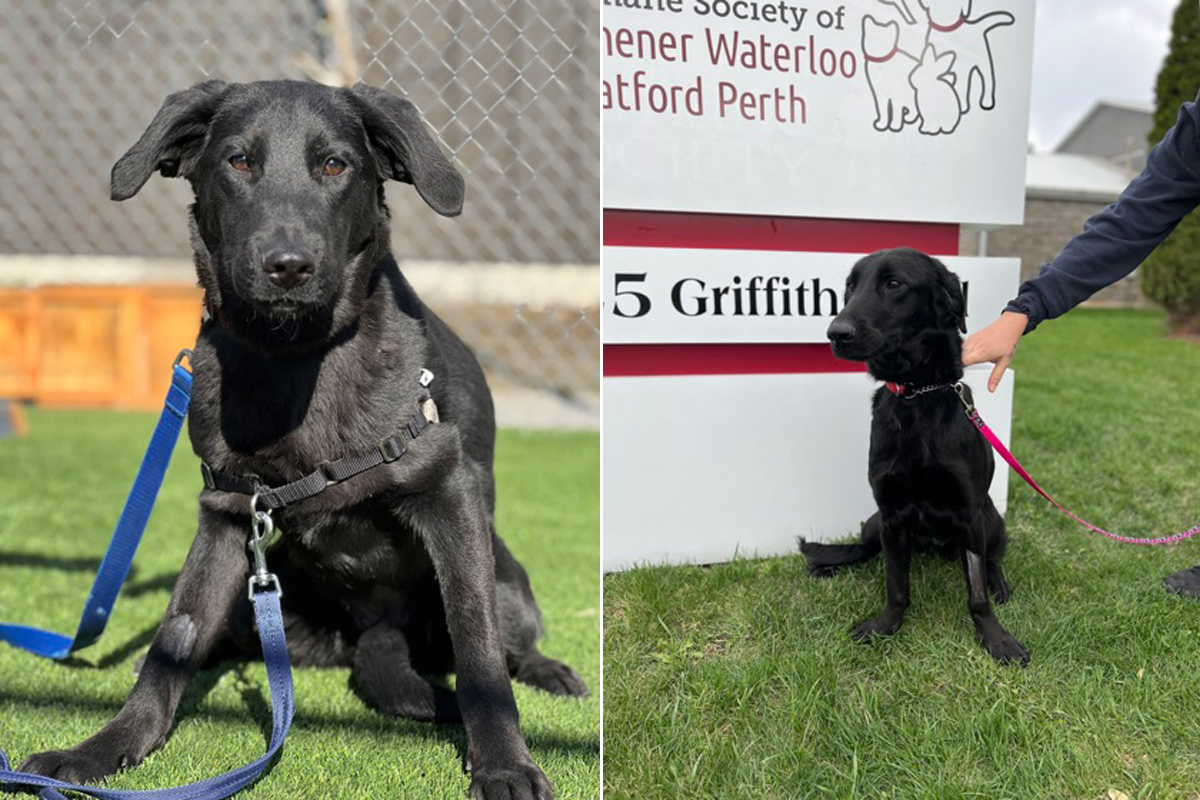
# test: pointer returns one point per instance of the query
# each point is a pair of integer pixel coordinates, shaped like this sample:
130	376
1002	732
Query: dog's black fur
312	350
929	467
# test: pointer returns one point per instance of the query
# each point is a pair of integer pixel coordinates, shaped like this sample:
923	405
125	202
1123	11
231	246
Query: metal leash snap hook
960	389
262	530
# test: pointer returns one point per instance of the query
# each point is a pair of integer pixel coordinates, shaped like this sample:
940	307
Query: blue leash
126	537
98	608
279	677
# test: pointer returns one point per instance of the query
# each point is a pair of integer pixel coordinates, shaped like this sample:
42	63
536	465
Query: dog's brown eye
893	284
333	166
240	162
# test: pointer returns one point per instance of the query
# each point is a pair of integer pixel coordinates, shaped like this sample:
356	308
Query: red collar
907	391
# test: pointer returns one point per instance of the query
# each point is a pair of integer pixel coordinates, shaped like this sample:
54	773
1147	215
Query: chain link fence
510	89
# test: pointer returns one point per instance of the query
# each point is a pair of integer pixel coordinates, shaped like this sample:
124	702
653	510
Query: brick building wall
1049	225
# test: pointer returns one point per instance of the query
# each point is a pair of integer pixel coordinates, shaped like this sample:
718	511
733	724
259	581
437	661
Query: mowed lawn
740	680
61	489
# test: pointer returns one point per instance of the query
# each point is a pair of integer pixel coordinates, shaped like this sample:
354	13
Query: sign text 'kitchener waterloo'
635	90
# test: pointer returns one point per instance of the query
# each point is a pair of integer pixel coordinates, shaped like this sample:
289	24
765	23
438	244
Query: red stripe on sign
629	360
739	232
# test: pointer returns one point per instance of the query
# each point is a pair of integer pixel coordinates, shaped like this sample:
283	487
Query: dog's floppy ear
174	135
949	301
406	150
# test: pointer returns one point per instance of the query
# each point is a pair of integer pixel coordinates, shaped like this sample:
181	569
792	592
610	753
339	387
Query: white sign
698	469
912	110
669	296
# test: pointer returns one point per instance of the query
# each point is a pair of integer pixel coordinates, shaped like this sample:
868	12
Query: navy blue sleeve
1115	241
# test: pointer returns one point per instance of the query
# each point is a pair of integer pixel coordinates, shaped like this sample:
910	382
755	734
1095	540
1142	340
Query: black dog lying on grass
312	350
929	467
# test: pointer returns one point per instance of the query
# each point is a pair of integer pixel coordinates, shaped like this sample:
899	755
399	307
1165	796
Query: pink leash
995	442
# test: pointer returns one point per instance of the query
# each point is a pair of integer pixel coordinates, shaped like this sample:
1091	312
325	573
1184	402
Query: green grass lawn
740	680
61	489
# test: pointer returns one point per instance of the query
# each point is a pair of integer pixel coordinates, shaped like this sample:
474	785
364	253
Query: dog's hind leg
825	559
997	584
520	627
383	674
548	674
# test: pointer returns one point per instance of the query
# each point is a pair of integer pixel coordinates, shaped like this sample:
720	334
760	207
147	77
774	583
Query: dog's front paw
78	765
520	782
884	625
121	744
1007	650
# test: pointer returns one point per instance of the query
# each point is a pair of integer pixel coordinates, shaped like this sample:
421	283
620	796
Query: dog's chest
279	420
353	549
922	458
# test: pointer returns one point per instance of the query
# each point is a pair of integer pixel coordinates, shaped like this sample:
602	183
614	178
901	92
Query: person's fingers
978	351
998	372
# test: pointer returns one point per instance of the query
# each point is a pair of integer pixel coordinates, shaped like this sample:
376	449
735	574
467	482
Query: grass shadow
60	563
112	659
254	693
159	583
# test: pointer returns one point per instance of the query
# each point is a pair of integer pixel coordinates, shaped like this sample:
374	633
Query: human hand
996	343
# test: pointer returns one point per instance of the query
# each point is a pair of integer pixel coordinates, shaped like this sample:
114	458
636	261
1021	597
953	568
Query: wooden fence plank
94	346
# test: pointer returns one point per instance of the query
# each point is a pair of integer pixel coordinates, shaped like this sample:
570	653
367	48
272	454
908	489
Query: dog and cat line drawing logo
925	68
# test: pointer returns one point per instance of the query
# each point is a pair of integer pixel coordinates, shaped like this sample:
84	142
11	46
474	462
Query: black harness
327	473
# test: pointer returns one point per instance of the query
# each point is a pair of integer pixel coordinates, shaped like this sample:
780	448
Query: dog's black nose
288	269
841	332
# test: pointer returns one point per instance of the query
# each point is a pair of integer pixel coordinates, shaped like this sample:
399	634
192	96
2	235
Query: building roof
1125	105
1140	116
1061	176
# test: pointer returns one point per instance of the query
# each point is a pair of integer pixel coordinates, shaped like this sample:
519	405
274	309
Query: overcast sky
1085	50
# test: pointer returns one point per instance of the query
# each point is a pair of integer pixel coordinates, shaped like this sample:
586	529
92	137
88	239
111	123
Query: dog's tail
825	559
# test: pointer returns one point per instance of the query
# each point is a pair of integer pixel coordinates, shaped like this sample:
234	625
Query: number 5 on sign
623	308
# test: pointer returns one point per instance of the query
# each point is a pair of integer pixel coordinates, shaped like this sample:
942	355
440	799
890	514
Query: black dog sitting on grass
929	467
316	355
